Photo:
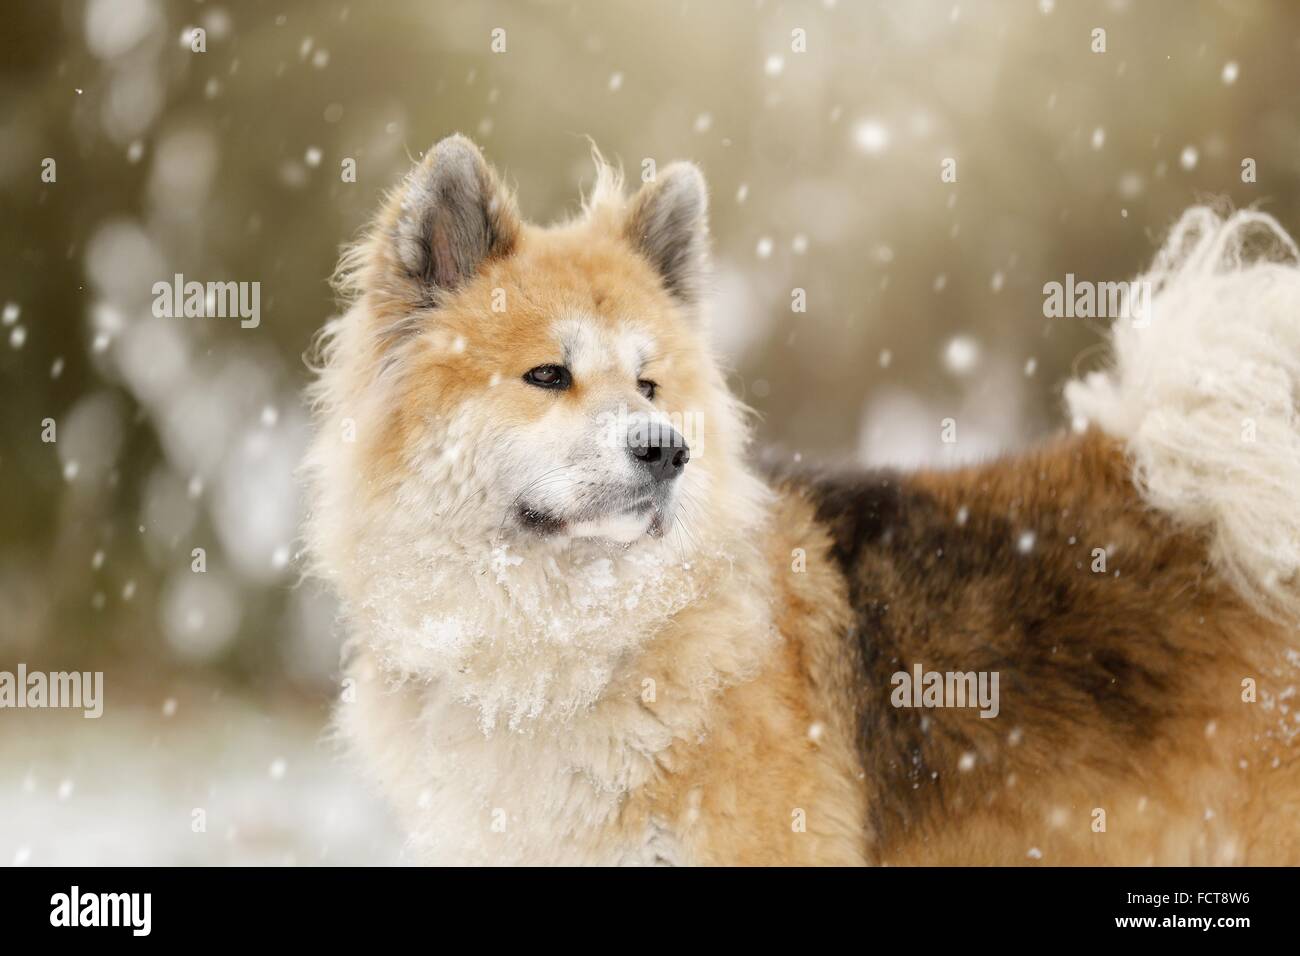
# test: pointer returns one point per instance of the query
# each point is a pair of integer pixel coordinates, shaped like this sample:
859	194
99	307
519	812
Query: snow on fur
1205	396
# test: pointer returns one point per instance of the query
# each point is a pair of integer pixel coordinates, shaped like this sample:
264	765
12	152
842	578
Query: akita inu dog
582	631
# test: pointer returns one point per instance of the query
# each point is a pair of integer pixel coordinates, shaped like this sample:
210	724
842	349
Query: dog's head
518	382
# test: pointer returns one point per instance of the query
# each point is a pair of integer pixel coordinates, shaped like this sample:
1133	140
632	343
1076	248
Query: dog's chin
620	529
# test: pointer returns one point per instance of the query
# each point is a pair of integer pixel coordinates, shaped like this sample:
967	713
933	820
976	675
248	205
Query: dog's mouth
541	522
622	521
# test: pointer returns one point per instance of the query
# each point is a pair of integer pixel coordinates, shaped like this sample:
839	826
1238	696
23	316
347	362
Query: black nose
662	450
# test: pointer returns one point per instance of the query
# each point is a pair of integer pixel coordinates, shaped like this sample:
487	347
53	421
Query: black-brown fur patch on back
991	570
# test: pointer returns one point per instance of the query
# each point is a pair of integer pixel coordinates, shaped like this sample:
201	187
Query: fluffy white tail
1204	392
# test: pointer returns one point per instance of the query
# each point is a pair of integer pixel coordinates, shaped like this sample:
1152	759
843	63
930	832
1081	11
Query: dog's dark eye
549	376
647	388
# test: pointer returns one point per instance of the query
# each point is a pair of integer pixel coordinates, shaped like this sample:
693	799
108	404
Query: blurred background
823	129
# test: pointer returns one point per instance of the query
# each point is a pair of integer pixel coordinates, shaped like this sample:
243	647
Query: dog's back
1139	705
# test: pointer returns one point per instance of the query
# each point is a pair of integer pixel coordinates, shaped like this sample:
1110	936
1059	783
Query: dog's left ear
667	222
454	214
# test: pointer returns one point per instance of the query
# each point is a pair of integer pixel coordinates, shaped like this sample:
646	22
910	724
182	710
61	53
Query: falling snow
961	355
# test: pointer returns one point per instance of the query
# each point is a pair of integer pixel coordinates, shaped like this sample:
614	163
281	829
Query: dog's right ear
667	223
453	214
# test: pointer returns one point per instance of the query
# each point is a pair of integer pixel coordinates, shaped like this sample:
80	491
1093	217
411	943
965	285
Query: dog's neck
530	632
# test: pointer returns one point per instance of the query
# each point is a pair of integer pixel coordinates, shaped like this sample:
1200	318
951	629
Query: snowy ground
128	787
